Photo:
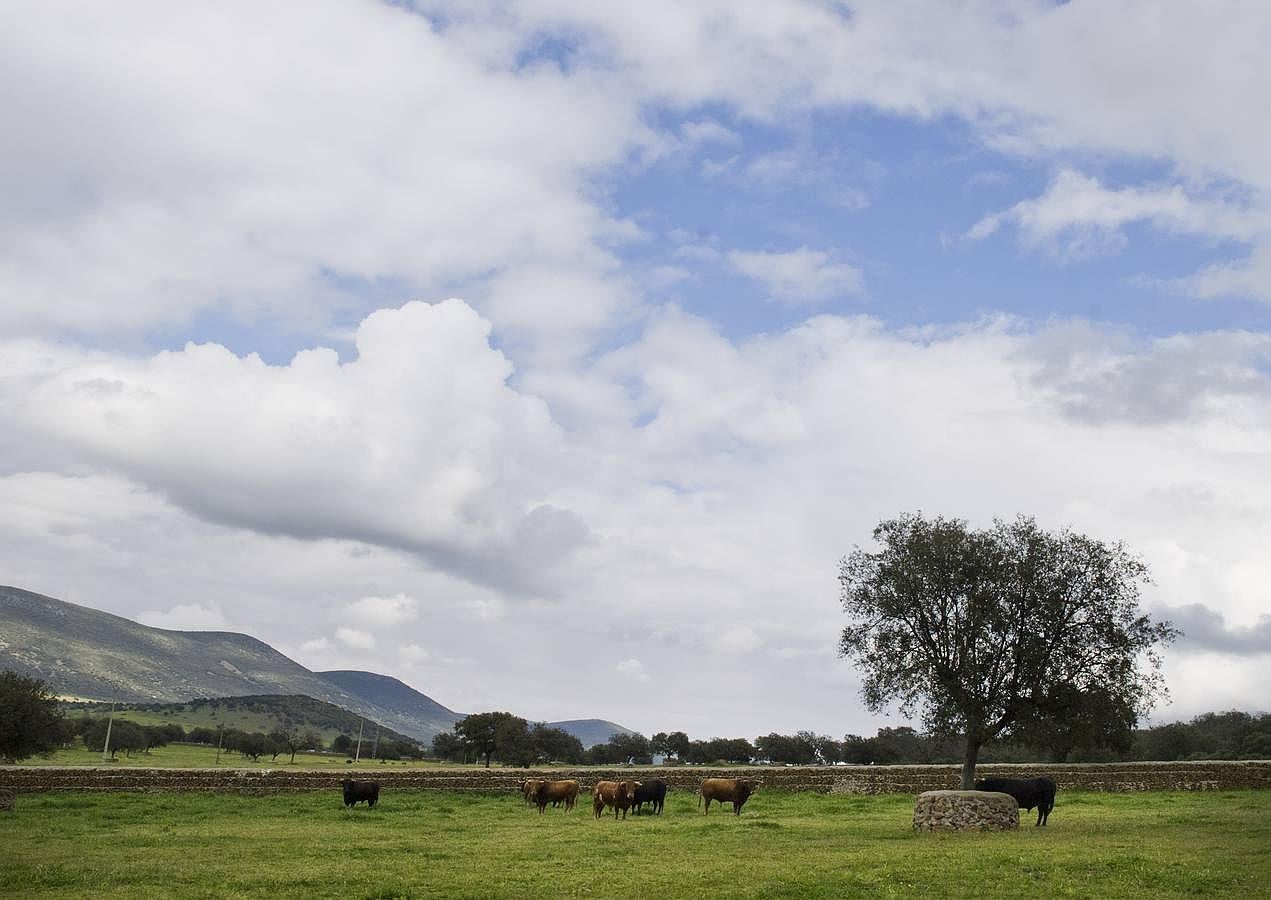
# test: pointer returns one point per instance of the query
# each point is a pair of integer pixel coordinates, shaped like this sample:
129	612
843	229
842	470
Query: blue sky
408	336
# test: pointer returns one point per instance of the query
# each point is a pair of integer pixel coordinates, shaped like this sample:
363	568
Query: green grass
783	845
199	756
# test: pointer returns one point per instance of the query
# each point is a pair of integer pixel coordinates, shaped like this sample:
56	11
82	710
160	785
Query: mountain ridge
92	655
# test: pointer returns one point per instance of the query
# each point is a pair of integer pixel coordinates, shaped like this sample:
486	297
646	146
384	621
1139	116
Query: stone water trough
965	811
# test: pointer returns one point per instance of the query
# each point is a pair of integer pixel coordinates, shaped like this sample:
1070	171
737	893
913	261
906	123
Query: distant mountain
255	712
591	731
87	654
92	655
406	703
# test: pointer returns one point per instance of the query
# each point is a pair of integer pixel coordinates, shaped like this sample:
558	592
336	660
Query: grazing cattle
651	791
1028	792
728	790
554	792
356	791
618	794
528	788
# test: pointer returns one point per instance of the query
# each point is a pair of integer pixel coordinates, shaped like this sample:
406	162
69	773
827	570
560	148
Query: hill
591	731
396	696
92	655
258	712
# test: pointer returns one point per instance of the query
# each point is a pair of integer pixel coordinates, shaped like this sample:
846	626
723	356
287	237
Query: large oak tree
30	721
979	631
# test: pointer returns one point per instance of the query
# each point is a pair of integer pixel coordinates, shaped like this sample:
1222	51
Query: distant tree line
512	741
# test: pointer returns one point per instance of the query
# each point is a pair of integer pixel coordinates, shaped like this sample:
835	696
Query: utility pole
375	750
360	725
109	723
220	735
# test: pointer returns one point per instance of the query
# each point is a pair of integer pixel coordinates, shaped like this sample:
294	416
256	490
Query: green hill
87	654
84	654
395	696
261	712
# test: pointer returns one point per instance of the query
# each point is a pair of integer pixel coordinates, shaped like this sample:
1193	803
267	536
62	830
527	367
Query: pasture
202	756
468	845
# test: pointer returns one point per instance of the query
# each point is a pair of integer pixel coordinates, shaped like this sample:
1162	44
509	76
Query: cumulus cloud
796	277
356	638
633	668
1078	216
418	443
382	612
1206	630
267	174
717	503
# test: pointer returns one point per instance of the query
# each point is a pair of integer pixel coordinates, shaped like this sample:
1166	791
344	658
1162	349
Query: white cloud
1077	215
273	172
417	444
633	668
413	654
718	502
356	638
381	612
798	277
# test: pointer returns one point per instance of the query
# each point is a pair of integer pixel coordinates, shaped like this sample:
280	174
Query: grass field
783	845
199	756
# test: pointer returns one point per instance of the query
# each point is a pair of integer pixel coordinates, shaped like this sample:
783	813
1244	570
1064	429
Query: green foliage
981	631
507	738
1151	845
30	721
266	713
674	744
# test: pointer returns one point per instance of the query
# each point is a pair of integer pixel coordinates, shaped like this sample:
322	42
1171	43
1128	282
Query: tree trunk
968	762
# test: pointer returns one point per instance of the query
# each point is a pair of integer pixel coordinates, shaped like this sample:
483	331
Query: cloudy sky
548	355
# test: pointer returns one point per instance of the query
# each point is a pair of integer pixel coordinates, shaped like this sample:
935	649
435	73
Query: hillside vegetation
264	713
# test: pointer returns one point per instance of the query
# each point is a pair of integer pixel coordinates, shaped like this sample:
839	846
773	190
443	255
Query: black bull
1028	793
355	791
651	791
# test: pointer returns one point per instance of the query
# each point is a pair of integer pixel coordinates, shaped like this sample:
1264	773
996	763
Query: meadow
203	756
468	845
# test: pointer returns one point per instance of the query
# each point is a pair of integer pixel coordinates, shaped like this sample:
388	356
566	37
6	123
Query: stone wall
965	811
1178	776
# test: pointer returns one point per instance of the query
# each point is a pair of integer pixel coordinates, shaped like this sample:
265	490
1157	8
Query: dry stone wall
1118	777
965	811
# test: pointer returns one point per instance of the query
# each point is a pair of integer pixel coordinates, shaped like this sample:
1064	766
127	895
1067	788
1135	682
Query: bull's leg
736	808
708	807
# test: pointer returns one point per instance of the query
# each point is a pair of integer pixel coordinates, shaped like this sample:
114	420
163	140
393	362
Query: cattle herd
622	795
628	794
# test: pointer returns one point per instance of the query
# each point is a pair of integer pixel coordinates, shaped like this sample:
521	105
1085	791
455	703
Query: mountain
591	731
401	699
88	654
256	712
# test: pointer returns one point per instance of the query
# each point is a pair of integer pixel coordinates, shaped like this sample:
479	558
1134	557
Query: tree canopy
30	721
982	630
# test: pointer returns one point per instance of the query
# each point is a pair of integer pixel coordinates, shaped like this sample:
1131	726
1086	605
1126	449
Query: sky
549	355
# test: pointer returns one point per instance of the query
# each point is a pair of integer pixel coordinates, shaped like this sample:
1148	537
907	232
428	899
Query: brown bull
545	792
618	794
728	790
528	787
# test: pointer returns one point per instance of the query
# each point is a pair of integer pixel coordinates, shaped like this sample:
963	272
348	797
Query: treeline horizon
511	740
